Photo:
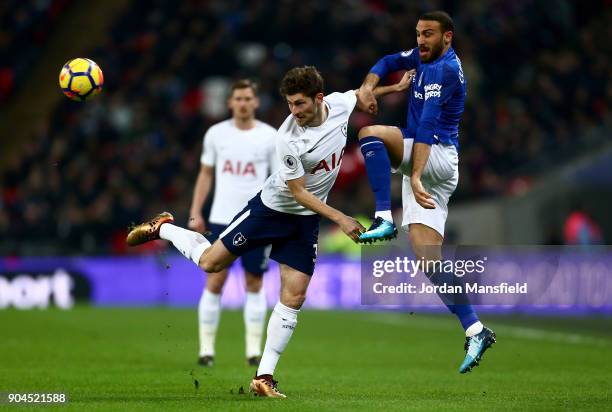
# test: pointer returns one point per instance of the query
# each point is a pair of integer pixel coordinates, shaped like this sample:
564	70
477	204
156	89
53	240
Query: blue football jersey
437	95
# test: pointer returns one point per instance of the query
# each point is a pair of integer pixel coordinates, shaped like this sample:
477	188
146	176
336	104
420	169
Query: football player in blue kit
426	153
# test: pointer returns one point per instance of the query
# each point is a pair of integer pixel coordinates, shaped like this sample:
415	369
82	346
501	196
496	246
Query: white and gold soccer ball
81	79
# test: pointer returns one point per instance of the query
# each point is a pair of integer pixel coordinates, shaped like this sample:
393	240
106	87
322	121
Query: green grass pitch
145	359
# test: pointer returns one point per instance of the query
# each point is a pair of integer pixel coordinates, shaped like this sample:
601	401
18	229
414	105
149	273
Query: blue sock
466	314
457	303
378	167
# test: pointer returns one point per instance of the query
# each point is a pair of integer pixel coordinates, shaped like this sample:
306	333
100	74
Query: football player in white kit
240	152
286	213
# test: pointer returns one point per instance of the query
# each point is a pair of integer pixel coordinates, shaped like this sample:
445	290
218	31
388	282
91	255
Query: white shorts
439	178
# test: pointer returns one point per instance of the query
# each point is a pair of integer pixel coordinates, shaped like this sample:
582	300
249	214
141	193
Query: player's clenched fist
405	81
351	227
366	101
197	223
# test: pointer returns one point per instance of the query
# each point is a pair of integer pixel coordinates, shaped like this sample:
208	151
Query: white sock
209	311
254	318
385	214
280	328
191	244
474	329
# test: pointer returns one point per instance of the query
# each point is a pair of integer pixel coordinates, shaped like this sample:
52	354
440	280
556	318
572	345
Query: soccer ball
81	79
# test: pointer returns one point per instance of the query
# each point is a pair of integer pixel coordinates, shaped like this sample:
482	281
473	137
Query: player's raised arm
351	227
400	86
366	99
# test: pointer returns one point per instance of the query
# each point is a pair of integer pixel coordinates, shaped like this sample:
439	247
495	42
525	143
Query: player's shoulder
446	68
414	52
266	133
290	143
265	127
219	127
289	127
349	94
451	69
291	136
346	99
449	62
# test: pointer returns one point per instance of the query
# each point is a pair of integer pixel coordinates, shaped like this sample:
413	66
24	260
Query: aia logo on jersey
329	164
238	169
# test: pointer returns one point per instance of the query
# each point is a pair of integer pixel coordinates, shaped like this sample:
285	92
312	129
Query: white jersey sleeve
350	98
273	164
288	157
208	157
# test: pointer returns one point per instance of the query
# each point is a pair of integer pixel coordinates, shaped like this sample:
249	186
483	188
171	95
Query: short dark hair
306	80
243	84
442	17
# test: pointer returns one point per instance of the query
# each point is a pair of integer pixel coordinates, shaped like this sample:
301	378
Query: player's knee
294	300
215	288
369	131
209	265
424	249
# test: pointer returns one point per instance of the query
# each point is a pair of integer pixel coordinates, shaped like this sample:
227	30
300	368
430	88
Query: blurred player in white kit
240	152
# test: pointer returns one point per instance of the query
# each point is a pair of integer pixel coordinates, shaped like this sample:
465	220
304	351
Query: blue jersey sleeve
405	60
439	87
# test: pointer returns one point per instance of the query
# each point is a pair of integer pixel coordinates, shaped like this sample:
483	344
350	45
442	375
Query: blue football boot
475	346
381	229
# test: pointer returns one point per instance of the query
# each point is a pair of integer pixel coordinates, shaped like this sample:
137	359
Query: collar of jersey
439	59
233	124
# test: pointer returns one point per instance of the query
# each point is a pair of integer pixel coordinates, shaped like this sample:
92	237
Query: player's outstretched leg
427	246
148	231
281	325
191	244
478	337
381	146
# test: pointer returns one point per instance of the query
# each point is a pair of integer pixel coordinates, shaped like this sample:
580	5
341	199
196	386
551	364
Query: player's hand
197	223
422	197
351	227
366	101
405	81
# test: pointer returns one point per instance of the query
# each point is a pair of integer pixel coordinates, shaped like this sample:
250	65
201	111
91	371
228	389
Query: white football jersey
314	152
242	159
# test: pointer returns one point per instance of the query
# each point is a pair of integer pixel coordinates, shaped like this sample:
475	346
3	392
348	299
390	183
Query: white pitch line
563	337
518	332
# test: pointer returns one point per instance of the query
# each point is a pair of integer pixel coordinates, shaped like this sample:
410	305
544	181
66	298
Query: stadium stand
134	151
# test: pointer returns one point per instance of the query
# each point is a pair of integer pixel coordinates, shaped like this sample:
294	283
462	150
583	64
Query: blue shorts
293	237
254	261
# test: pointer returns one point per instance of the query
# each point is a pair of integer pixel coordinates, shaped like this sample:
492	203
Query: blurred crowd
538	91
25	26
